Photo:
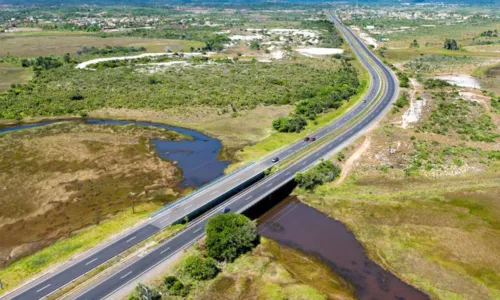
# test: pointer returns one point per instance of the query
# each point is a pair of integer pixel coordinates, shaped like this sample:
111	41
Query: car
306	139
226	210
313	139
276	159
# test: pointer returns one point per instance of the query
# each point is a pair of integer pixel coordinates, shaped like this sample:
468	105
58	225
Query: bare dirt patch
66	176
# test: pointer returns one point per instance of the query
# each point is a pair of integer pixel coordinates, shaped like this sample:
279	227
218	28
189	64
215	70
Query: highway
51	282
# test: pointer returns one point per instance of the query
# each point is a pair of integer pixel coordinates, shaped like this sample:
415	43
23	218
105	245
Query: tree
450	44
414	44
146	293
254	45
229	236
201	269
323	172
289	124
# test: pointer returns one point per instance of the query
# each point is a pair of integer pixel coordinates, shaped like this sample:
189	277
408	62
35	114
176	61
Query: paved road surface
62	276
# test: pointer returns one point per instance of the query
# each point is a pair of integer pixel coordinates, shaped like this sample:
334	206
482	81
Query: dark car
313	139
226	210
276	159
306	139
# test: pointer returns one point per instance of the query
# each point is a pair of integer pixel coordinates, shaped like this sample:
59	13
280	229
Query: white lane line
91	261
130	239
188	206
126	275
248	198
236	180
43	288
269	185
164	221
165	250
287	173
198	230
213	193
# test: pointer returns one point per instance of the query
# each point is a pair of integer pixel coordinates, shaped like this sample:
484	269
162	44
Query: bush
451	44
146	293
404	81
289	124
176	287
433	83
324	172
201	269
229	236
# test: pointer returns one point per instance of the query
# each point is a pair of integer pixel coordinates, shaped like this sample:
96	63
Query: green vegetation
289	124
175	287
229	236
201	269
450	44
25	268
433	83
115	50
414	44
322	173
225	86
330	40
437	62
404	81
438	235
490	33
466	118
401	102
12	74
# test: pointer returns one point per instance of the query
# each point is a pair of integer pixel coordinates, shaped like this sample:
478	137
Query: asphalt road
64	275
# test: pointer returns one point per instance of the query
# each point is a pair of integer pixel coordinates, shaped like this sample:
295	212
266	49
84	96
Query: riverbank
63	177
440	236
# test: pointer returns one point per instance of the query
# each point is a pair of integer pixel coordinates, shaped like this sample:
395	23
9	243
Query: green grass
60	42
10	74
25	268
438	235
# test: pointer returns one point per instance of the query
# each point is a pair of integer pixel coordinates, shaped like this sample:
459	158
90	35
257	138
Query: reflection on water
295	224
197	157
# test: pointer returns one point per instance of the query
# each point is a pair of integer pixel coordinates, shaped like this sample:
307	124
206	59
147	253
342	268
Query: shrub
176	287
229	236
324	172
433	83
146	293
450	44
201	269
404	81
289	124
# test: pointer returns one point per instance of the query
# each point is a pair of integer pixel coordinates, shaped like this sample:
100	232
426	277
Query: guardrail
168	206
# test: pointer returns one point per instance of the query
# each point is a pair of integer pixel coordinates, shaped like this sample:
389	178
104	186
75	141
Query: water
197	157
297	225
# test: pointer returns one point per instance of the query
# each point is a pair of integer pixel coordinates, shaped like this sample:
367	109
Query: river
302	227
197	158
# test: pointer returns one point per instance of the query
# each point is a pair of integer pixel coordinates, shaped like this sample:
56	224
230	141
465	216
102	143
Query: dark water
302	227
197	158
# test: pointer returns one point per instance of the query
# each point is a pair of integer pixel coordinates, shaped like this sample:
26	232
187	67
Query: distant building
370	27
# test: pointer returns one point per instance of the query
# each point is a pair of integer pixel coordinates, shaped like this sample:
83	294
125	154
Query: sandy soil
320	51
461	80
349	164
414	113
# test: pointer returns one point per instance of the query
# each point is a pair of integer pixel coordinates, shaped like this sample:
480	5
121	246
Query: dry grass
12	74
53	43
440	236
60	178
235	132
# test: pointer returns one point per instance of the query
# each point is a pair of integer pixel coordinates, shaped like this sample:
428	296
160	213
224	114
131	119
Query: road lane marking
43	288
248	198
287	173
130	239
198	230
164	221
269	185
188	206
214	192
165	250
91	261
126	275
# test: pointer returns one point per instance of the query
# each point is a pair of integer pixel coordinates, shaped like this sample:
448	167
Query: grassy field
10	74
23	269
58	42
270	271
439	235
60	178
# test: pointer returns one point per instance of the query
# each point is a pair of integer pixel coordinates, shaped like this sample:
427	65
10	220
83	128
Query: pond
197	158
302	227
